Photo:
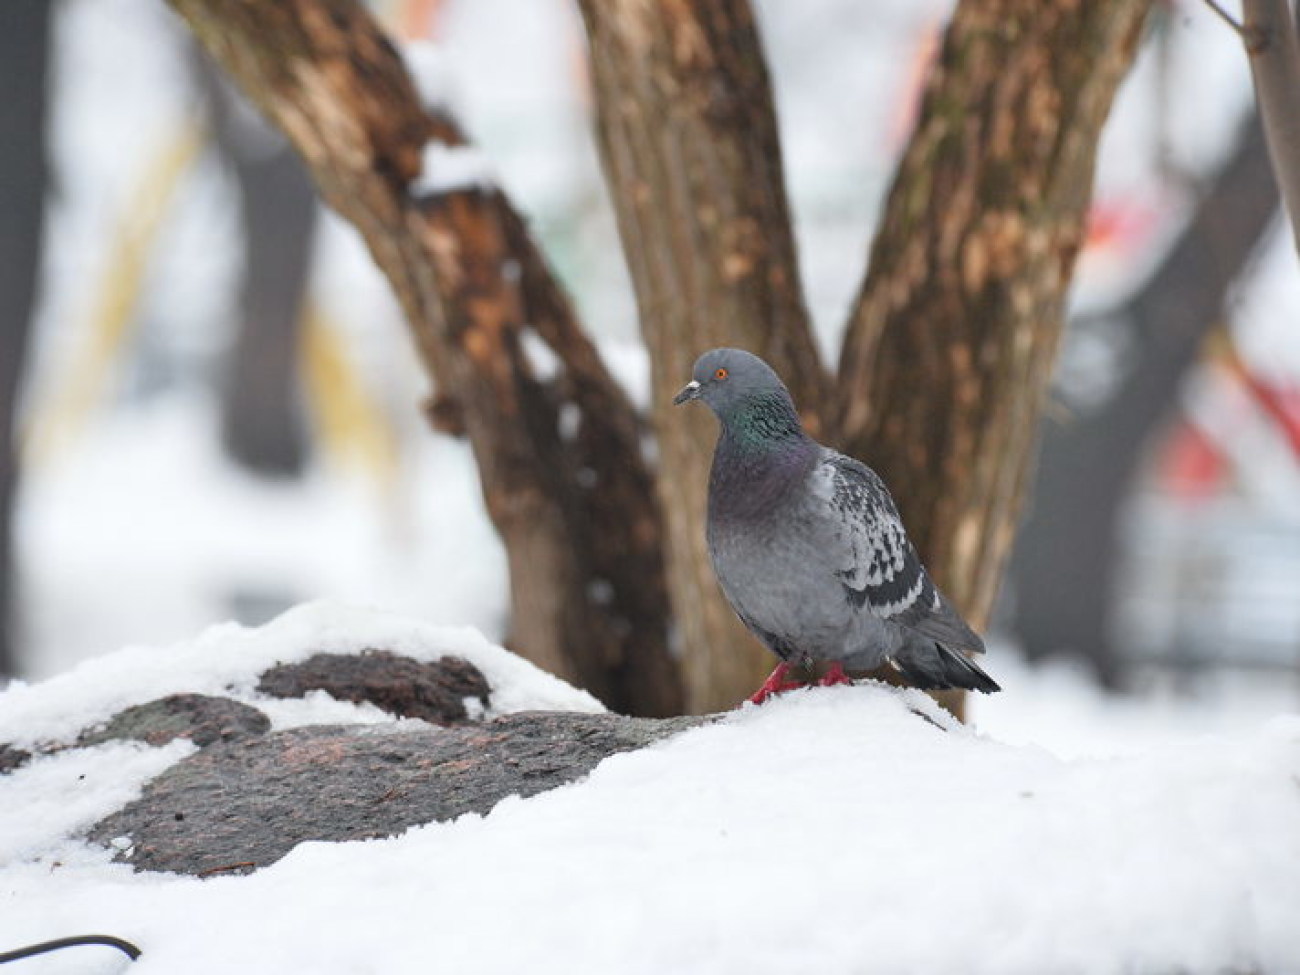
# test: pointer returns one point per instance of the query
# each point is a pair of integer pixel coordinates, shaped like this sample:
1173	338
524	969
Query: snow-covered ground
830	830
146	534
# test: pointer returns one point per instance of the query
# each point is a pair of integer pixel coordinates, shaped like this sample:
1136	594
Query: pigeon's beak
689	392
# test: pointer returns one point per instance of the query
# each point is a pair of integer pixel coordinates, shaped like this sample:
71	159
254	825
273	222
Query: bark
969	270
245	803
687	135
1065	559
1273	45
24	58
470	284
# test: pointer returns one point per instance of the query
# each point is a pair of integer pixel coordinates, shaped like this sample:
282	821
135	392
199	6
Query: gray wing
880	571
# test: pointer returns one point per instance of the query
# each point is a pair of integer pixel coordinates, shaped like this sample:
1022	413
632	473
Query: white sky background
136	531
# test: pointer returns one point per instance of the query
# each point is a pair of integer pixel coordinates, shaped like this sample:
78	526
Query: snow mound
832	830
228	659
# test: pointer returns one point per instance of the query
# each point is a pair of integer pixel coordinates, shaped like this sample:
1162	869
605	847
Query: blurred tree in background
262	422
947	356
1091	459
24	68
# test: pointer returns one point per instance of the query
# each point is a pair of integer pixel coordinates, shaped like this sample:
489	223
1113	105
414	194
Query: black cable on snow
126	947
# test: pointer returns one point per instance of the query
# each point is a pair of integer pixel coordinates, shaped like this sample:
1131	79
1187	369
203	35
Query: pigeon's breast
774	572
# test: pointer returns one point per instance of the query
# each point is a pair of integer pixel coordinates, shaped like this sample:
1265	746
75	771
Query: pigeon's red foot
775	684
834	675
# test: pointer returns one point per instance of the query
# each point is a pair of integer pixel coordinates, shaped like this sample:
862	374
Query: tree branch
965	291
1065	556
1226	17
687	133
1273	46
471	283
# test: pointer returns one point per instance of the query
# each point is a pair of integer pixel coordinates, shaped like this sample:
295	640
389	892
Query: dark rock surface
200	717
250	795
240	805
433	692
12	757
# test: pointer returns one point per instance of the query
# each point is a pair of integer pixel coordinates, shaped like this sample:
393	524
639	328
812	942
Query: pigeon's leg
834	675
775	684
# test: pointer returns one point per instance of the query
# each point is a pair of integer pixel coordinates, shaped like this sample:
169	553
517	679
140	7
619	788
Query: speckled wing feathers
882	572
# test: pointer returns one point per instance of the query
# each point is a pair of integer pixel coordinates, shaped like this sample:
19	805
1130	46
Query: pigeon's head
729	380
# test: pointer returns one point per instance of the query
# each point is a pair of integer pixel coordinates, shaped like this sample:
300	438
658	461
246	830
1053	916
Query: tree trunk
1273	46
687	136
1065	558
262	422
969	271
471	283
24	57
963	300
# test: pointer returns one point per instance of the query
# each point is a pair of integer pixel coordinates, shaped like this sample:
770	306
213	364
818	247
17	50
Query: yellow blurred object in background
58	417
349	422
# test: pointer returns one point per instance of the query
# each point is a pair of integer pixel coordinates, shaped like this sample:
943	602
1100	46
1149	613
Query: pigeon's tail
933	667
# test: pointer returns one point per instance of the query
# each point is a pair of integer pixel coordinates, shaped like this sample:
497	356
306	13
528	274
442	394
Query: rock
433	692
240	805
12	757
199	717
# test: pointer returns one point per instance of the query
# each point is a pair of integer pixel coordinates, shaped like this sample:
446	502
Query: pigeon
809	548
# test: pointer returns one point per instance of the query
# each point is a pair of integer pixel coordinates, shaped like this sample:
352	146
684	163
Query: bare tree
576	512
954	335
1270	32
942	378
688	138
963	300
262	422
24	61
1273	44
1065	557
687	134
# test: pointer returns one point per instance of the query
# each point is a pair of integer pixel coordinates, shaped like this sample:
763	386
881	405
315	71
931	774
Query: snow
227	659
145	533
1055	705
70	792
447	169
830	830
432	75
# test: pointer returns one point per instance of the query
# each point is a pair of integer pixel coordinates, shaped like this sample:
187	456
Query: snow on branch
432	76
451	169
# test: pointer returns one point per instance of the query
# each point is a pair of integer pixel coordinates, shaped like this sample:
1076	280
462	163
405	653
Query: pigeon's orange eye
720	374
